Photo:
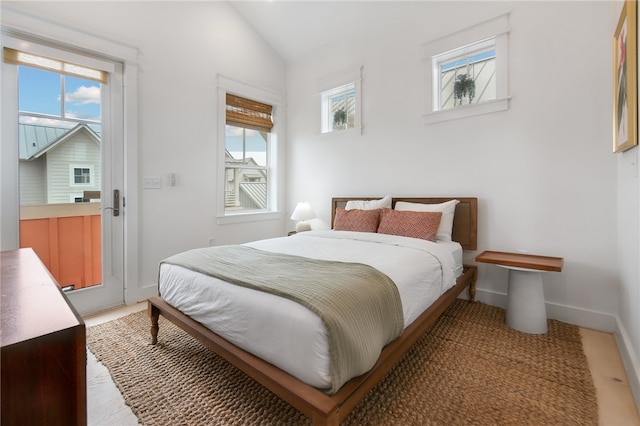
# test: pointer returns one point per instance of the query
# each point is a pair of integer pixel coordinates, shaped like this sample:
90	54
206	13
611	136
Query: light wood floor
615	404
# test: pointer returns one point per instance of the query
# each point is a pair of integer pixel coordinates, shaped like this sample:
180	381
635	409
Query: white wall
543	171
182	47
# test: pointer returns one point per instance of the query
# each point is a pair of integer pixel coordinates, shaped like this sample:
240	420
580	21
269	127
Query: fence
68	240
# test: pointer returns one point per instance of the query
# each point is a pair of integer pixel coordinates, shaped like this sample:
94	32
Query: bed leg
472	285
154	314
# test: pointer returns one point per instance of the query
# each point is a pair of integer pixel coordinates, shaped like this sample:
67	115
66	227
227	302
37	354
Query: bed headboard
465	220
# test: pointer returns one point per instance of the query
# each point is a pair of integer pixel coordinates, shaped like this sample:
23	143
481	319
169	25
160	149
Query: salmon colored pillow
356	220
422	225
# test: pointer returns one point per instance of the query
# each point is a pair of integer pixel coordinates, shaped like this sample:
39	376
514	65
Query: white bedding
289	335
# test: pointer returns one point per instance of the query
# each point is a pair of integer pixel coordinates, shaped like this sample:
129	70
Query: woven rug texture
469	369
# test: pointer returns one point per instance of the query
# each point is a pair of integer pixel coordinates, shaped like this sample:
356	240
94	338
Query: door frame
17	24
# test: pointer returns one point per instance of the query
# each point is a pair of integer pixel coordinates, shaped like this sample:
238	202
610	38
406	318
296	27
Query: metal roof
256	192
34	140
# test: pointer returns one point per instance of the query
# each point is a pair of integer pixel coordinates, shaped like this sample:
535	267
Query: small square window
82	176
339	108
466	76
467	72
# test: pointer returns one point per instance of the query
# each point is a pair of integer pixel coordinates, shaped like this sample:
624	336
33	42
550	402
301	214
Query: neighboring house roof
252	194
35	140
256	191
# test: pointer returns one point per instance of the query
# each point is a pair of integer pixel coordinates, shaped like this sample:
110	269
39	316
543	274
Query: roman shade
249	114
17	57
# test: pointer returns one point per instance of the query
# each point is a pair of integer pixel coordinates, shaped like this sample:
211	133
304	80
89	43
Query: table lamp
302	213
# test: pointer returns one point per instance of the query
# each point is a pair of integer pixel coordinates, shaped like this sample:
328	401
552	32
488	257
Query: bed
306	379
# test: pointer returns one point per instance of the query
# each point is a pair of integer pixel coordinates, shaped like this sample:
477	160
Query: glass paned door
67	135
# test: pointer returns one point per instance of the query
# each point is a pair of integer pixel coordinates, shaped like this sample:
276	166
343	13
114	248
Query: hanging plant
340	119
463	87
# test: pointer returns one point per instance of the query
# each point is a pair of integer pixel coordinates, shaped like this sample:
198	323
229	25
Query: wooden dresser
43	356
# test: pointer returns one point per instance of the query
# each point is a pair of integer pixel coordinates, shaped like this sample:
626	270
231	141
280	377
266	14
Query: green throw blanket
359	305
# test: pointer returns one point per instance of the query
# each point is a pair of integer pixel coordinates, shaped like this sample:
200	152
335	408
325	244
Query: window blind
17	57
242	112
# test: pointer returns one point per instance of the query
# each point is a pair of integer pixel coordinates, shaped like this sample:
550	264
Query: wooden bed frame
321	408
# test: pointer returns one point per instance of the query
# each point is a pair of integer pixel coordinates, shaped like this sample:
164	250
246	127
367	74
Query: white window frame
249	91
72	180
497	28
329	85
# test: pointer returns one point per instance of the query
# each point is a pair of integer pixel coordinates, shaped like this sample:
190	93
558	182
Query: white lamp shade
303	211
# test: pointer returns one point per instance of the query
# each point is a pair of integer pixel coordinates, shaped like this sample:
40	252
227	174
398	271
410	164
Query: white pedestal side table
526	310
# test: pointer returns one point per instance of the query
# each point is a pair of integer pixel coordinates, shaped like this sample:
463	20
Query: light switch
151	182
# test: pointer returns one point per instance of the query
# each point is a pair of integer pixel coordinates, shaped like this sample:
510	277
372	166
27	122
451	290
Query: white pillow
382	203
448	209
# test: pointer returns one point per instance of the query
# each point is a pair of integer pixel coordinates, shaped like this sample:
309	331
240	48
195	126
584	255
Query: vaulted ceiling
296	28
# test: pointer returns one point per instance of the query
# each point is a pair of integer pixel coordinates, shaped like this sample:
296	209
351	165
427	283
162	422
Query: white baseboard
630	360
581	317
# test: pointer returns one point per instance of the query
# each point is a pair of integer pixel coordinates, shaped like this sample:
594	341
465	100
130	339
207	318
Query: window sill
350	131
466	111
248	217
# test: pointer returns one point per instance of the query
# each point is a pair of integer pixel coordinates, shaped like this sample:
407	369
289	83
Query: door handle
116	203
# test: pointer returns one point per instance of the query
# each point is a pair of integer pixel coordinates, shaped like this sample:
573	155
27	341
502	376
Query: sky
255	145
42	92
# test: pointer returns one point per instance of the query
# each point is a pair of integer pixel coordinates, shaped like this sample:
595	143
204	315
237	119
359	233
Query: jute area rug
470	368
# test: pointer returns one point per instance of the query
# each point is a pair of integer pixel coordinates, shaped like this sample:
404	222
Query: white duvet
289	335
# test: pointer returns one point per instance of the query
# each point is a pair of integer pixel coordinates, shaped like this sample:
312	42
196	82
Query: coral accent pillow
422	225
448	210
356	220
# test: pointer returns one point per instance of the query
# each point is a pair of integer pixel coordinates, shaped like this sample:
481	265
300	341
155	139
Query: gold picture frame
625	95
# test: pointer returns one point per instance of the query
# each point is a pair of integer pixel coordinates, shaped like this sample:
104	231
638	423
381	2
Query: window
340	101
339	108
247	133
81	175
466	76
249	150
467	72
55	92
246	152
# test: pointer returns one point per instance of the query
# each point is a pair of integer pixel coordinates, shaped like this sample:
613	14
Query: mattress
289	335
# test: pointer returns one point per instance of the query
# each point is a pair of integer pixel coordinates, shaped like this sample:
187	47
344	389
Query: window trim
497	28
239	88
